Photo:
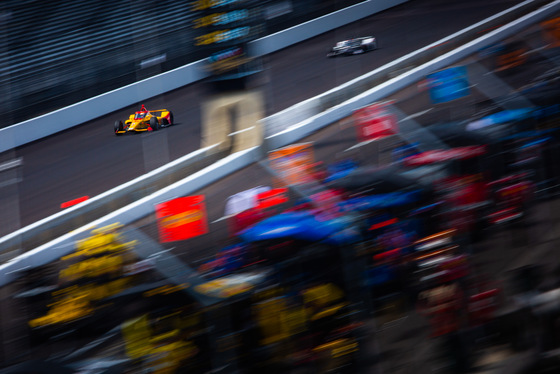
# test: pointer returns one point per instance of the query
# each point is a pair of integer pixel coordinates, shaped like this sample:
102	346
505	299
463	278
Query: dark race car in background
353	46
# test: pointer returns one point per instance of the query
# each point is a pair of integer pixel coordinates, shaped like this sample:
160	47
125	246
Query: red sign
375	122
73	202
272	197
182	218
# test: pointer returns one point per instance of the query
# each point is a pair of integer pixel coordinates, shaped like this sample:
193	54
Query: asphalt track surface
88	159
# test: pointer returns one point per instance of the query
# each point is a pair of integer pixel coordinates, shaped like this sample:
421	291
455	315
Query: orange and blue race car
145	120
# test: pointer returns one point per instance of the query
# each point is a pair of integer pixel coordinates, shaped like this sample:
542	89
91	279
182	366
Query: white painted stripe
222	218
417	114
241	131
11	164
360	144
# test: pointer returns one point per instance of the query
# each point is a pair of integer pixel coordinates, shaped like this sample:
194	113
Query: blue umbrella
302	226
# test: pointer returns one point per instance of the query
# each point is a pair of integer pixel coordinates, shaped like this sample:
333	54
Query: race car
353	46
145	120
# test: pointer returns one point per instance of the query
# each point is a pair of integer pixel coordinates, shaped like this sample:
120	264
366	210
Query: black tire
171	120
118	127
154	123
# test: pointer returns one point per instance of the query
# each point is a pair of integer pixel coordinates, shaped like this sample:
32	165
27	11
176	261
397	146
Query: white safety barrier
102	204
73	115
63	245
